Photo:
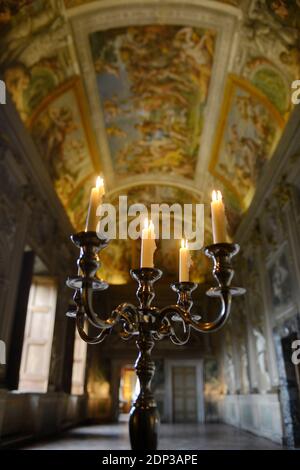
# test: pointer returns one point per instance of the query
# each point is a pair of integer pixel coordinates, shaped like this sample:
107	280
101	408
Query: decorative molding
285	152
91	6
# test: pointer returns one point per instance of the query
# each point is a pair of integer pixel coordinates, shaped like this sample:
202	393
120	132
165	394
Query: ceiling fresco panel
271	82
35	54
61	131
286	12
249	129
153	83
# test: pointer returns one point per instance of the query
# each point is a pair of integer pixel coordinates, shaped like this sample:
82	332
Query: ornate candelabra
146	322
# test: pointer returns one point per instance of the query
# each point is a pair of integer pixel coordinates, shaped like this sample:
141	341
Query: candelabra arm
86	292
128	314
166	319
223	272
87	282
180	341
208	327
179	311
84	336
173	312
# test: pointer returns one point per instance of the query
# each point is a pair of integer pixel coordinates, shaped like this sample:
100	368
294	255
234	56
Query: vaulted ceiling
167	99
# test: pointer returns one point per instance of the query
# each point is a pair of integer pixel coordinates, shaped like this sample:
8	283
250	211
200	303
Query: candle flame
146	223
99	182
184	243
216	195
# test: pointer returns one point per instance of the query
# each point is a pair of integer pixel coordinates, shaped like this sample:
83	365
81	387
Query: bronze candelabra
146	322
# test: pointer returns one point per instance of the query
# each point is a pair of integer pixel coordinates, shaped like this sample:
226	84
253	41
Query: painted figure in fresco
278	277
261	351
244	367
229	373
267	26
34	50
279	7
292	60
64	151
26	37
280	283
200	52
287	12
248	143
9	8
17	79
274	30
60	125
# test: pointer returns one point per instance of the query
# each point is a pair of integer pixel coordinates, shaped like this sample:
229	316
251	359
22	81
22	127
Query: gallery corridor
172	437
149	226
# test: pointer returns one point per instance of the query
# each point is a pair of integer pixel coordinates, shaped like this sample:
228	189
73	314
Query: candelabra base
143	428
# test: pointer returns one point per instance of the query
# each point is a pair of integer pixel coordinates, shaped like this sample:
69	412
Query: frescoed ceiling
159	97
153	83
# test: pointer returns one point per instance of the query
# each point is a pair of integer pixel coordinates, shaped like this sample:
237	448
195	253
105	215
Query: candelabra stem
144	416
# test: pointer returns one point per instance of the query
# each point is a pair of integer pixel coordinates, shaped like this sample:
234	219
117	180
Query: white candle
148	245
184	262
218	218
95	199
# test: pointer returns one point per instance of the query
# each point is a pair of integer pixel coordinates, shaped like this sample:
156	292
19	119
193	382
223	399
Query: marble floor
172	437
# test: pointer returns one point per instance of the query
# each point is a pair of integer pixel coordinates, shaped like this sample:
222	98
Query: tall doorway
184	400
128	391
184	394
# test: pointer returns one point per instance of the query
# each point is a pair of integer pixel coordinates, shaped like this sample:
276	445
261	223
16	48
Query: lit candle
218	218
95	200
148	245
184	262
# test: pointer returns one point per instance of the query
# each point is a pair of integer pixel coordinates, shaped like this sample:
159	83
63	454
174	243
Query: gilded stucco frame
234	82
74	85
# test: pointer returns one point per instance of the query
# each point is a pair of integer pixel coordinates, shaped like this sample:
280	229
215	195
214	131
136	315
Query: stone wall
256	394
256	413
31	214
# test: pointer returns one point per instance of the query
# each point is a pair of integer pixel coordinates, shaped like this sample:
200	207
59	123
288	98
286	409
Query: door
184	386
35	362
129	388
